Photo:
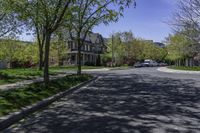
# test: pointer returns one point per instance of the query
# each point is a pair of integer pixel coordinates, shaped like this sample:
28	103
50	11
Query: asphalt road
139	100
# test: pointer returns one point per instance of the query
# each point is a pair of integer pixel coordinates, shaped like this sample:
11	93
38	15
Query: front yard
15	75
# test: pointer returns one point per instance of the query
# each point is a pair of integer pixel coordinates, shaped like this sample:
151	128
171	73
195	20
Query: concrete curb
168	70
95	70
8	120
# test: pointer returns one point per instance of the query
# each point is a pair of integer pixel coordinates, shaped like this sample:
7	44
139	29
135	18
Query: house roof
158	44
94	38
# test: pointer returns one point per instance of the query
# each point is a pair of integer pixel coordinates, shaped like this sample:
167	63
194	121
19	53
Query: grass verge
8	76
14	100
14	75
195	68
57	68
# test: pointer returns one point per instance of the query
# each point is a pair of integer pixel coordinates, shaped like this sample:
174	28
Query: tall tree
53	15
115	51
59	48
186	23
89	13
180	48
49	15
8	20
28	14
186	19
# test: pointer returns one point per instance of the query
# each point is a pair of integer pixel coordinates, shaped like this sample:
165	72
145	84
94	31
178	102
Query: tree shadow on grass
122	104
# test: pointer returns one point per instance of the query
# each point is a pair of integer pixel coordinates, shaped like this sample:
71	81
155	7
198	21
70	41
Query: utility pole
112	51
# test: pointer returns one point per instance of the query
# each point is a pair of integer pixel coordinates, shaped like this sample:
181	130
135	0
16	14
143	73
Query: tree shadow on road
123	104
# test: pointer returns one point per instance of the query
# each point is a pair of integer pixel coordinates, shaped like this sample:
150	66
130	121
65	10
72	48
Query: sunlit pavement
168	70
141	100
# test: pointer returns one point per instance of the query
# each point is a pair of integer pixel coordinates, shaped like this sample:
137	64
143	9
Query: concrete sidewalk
168	70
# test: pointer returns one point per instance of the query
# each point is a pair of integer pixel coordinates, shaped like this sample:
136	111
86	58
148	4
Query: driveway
139	100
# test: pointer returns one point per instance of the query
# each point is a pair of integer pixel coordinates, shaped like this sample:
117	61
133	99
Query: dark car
150	63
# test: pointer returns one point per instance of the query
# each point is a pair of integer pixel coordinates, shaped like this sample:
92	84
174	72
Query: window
75	45
73	58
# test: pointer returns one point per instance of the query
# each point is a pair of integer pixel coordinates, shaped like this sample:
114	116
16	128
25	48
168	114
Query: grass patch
14	75
13	100
8	81
195	68
57	68
8	76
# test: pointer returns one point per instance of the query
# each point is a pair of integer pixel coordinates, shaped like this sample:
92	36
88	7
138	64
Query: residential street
141	100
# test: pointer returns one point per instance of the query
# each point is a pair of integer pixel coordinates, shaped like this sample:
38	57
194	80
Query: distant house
158	44
91	51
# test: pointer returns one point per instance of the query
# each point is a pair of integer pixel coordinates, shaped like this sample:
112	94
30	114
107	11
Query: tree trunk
182	62
179	62
187	62
79	58
60	58
112	51
191	62
176	62
41	63
10	63
59	50
60	62
46	60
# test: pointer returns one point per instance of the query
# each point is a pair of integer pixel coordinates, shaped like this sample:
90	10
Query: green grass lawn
195	68
13	100
74	68
9	81
15	75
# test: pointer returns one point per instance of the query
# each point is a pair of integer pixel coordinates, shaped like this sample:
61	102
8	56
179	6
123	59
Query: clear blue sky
145	21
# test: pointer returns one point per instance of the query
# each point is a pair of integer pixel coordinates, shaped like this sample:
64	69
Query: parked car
155	64
147	63
162	64
138	64
150	63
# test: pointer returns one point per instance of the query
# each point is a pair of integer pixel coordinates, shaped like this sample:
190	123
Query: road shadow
128	103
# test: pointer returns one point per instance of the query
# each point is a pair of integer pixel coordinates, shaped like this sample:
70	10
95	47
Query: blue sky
146	21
